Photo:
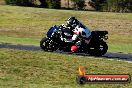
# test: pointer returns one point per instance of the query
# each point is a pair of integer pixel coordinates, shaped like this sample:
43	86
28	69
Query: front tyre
44	43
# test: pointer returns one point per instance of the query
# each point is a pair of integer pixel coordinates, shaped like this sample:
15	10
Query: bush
97	4
43	3
79	4
118	5
55	4
20	2
112	5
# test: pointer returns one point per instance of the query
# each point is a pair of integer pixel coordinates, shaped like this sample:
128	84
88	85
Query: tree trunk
68	3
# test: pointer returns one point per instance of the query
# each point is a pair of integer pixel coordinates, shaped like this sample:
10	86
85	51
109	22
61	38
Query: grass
17	23
17	40
27	69
119	47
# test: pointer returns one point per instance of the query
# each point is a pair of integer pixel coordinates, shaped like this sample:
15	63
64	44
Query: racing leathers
81	33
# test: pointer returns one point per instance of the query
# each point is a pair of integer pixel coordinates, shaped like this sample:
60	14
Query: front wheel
99	49
48	44
44	43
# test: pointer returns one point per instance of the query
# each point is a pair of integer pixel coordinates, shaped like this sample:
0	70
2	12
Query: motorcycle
55	41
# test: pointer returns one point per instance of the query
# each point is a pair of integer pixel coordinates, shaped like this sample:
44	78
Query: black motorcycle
53	41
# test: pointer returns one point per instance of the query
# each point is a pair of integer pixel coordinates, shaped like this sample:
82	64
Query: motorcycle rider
80	32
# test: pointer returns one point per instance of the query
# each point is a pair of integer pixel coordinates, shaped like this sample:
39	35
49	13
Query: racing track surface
109	55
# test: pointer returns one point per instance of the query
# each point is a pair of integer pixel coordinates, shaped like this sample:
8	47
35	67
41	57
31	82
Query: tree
20	2
79	4
68	3
118	5
43	3
97	4
125	5
56	4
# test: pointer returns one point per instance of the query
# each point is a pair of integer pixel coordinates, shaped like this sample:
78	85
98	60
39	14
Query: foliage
56	4
43	3
112	5
20	2
119	5
79	4
97	4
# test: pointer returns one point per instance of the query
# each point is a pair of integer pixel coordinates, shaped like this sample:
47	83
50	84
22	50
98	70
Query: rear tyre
99	49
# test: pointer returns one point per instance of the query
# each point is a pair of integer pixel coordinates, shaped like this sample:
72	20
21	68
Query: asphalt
109	55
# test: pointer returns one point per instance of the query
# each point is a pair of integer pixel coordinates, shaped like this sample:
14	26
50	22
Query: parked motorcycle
54	41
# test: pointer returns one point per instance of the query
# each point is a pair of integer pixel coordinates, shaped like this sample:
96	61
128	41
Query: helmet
74	48
72	21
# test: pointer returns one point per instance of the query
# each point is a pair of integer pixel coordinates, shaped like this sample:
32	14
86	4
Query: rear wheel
98	50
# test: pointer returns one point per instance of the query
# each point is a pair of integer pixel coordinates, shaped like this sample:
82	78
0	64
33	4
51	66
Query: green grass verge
27	69
119	47
17	40
25	25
